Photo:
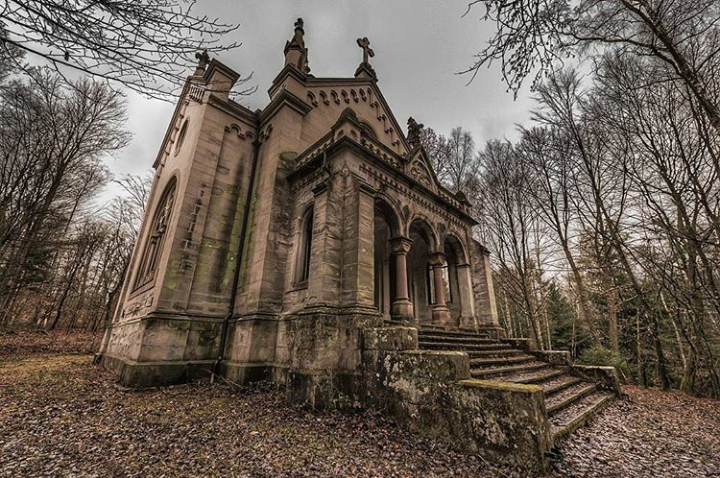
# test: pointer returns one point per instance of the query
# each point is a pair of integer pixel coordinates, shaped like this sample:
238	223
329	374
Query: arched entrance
459	280
419	270
385	225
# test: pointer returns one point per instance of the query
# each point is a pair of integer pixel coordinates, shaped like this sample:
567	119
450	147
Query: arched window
302	267
157	233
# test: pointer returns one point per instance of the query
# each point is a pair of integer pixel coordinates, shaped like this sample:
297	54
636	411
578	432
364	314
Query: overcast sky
420	46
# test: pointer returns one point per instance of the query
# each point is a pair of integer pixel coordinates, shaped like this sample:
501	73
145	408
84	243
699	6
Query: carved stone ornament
203	60
298	43
414	131
420	174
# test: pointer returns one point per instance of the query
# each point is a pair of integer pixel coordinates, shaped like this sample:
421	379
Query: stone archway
459	281
428	302
386	227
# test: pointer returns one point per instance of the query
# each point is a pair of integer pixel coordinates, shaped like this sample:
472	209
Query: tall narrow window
157	233
302	271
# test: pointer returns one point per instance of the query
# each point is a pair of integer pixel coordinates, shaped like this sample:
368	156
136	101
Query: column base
467	322
441	316
402	308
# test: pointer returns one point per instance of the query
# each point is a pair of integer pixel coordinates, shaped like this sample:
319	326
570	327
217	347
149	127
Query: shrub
607	358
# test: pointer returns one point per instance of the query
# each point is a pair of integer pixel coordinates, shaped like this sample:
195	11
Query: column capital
437	259
400	245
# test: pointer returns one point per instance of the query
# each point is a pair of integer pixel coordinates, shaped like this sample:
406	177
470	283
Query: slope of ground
61	416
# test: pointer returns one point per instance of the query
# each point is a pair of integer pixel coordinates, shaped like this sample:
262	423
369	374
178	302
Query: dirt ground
61	416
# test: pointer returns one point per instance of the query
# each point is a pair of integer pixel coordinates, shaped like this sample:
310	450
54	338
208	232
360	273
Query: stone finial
414	131
368	53
296	54
203	59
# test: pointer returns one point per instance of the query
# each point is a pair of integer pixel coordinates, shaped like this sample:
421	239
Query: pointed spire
296	54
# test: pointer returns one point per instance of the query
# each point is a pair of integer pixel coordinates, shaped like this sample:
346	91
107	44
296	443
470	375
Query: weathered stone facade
279	234
303	244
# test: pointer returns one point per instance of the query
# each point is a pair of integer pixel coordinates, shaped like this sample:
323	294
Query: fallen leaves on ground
18	344
650	434
62	416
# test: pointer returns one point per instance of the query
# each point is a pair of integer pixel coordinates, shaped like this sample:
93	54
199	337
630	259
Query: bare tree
52	140
547	155
147	45
513	232
453	158
534	37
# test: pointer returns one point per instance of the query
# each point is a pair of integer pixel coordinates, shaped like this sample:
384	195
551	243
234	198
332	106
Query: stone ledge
431	393
501	386
505	423
134	374
606	377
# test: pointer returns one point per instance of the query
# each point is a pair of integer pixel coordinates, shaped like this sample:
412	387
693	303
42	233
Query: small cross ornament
368	52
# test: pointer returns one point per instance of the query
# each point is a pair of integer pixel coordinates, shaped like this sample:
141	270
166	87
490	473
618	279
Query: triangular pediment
420	168
329	97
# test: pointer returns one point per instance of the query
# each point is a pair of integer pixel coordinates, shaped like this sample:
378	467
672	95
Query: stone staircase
569	400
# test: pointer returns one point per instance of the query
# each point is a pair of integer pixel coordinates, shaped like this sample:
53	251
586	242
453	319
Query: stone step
494	361
558	384
576	415
495	353
450	333
457	339
486	373
535	377
567	397
463	347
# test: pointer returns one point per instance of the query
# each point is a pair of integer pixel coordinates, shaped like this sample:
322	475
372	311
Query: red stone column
440	312
402	308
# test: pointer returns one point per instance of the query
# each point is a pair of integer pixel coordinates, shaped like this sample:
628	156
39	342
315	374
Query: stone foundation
161	349
325	358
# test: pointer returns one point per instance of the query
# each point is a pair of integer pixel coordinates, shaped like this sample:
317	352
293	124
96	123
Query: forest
603	216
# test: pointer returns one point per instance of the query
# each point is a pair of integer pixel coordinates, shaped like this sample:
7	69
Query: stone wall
431	393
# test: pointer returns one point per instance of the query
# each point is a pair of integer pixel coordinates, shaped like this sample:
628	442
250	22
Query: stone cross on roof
365	70
368	52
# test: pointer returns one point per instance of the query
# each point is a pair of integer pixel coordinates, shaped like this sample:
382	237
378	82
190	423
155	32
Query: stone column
465	293
402	308
325	256
484	294
358	278
440	312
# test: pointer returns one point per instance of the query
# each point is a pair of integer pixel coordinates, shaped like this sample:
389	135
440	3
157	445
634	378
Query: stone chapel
300	244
